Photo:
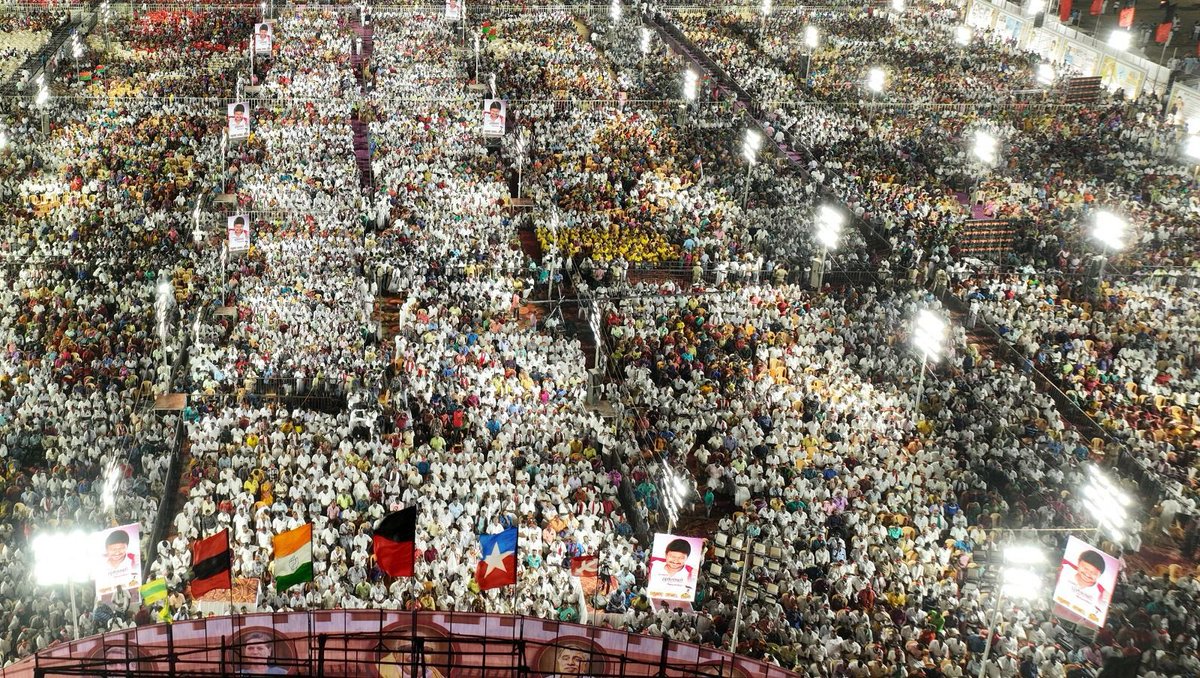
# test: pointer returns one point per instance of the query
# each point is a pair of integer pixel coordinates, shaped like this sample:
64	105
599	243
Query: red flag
1097	7
585	566
1163	34
211	564
395	542
1125	17
1064	11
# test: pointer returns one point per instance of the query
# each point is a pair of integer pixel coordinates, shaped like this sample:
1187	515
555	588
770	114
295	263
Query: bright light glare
876	79
1045	74
986	146
1191	147
57	558
962	35
1109	229
829	226
1020	583
43	96
1035	7
615	10
811	37
1120	40
645	40
1024	554
897	5
690	78
766	7
929	334
751	145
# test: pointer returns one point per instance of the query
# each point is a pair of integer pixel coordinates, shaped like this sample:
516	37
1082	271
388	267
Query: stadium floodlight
690	80
1191	147
962	35
751	146
1107	504
876	80
1109	229
1045	74
614	10
897	6
57	560
646	33
1120	40
929	337
1017	580
1035	7
812	36
986	147
829	226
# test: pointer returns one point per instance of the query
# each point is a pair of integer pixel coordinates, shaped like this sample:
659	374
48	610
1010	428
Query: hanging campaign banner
674	569
239	120
1085	584
453	10
239	233
264	35
493	117
118	562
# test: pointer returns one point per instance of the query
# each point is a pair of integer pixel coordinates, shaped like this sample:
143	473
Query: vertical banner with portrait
494	113
264	35
118	561
674	568
1085	584
238	115
238	227
453	10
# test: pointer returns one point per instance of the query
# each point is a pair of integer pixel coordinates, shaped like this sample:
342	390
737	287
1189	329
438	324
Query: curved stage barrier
384	644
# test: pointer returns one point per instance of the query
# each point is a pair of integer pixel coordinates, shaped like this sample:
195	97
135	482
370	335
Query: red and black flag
1064	11
1125	16
395	542
1163	33
1097	7
211	564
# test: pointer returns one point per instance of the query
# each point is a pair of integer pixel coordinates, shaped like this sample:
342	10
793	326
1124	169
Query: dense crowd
389	340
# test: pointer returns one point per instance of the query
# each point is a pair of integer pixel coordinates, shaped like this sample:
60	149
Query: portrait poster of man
1085	583
571	657
239	233
239	120
674	567
264	35
118	561
494	113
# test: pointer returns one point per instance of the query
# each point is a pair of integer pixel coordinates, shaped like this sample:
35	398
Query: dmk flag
1064	11
1097	7
211	564
499	564
1125	17
293	557
1163	33
395	544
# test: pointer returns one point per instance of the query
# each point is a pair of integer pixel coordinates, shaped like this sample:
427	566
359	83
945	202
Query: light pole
646	34
520	150
476	57
829	230
929	336
812	38
1109	229
1017	580
750	148
164	300
1107	504
57	560
876	81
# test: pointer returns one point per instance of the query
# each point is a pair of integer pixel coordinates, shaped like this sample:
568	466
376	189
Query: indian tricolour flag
293	557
